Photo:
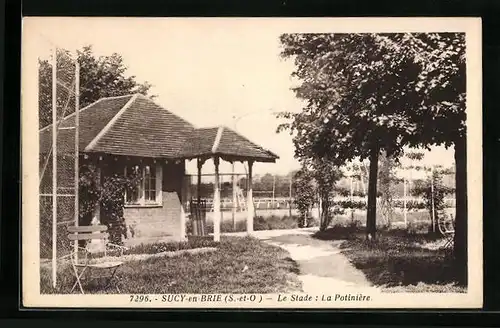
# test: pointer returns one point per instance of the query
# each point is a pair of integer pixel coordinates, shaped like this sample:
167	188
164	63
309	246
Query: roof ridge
71	114
86	107
111	123
218	136
209	127
165	109
253	143
122	96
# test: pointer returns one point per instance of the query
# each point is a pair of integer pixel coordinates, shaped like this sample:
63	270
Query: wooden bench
92	235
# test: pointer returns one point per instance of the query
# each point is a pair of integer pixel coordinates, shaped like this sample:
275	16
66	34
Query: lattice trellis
58	163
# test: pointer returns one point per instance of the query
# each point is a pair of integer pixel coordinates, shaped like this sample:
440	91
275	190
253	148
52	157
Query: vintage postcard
251	162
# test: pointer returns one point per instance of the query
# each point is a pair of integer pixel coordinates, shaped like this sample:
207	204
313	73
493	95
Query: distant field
281	203
359	215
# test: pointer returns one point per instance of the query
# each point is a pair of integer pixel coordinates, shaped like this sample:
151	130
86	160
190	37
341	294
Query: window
148	191
132	197
149	184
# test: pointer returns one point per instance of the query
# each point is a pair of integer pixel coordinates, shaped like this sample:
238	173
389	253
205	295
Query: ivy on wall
107	191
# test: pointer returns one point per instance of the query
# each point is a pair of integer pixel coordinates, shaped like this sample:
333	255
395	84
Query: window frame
157	178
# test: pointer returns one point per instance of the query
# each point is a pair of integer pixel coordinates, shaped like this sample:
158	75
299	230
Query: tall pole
410	181
320	204
404	202
290	198
351	195
274	190
250	206
197	224
217	211
235	201
361	179
351	183
77	150
54	167
432	201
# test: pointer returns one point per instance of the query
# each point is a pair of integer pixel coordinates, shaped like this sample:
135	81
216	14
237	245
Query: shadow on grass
240	265
396	258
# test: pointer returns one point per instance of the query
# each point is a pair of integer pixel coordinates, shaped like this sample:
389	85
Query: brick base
151	223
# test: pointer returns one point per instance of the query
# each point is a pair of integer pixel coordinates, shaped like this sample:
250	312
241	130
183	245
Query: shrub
351	204
193	242
417	227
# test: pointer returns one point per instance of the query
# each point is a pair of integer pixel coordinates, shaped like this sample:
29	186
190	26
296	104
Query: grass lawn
418	221
397	261
269	270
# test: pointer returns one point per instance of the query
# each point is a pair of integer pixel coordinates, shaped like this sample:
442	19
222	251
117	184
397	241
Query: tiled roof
134	125
92	120
200	142
144	129
229	144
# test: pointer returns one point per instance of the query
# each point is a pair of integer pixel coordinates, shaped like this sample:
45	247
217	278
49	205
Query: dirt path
323	268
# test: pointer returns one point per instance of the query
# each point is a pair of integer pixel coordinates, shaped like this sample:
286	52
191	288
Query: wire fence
58	156
278	192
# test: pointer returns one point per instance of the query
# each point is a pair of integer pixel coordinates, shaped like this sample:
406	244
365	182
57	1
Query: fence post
404	203
77	150
54	167
432	201
290	198
235	201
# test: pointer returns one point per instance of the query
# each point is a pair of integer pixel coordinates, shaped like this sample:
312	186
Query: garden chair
81	258
446	226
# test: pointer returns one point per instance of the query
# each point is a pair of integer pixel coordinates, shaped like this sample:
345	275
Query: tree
326	174
304	191
441	92
103	76
386	183
356	94
411	85
266	182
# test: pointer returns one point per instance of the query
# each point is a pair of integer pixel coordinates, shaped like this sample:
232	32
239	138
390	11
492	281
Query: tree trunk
460	243
371	214
325	211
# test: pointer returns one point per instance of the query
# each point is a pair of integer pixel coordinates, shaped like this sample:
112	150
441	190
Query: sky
208	72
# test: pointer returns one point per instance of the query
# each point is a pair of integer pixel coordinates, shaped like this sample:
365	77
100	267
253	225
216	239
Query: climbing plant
109	193
89	193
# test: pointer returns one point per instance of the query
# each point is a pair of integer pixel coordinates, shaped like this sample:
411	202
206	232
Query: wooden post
77	151
274	190
183	234
235	201
196	219
290	198
251	210
319	211
432	201
217	210
351	195
97	209
352	191
54	167
404	203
